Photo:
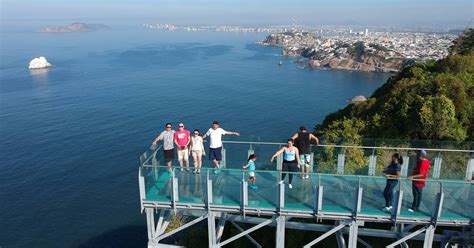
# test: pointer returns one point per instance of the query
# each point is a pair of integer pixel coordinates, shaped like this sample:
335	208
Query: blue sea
71	136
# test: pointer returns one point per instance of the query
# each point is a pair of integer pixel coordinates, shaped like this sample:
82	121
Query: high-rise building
366	32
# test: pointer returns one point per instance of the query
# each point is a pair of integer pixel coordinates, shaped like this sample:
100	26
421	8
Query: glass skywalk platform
448	197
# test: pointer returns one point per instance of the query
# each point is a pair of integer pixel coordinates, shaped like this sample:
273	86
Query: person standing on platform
291	159
251	165
392	173
418	176
303	143
197	150
182	140
168	146
215	147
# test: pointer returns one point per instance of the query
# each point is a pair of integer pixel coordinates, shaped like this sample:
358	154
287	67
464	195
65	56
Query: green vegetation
430	101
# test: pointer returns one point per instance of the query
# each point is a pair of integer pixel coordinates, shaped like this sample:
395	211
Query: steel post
340	162
280	232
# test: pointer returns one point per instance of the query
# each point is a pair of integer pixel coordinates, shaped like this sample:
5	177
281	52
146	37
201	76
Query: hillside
431	100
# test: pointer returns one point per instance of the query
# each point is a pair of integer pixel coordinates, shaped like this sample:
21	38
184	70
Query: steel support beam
325	235
220	228
235	237
179	229
361	241
280	232
407	237
429	233
211	229
353	231
247	235
341	242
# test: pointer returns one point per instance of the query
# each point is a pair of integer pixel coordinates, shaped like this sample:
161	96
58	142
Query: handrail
352	146
323	174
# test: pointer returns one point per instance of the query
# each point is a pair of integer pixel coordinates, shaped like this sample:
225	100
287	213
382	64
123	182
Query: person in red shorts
418	176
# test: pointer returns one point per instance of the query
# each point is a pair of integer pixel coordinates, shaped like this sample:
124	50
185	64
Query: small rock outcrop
357	99
39	63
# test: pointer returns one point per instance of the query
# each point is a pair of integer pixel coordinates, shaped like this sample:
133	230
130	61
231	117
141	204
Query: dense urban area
344	48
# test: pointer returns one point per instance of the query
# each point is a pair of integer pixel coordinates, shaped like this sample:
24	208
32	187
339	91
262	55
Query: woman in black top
392	173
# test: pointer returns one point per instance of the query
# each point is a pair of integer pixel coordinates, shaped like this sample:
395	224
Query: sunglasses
196	133
180	126
168	127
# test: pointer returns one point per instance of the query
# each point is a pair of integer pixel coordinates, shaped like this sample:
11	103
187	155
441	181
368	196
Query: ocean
71	135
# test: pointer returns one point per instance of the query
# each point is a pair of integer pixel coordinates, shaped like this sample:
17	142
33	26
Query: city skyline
422	13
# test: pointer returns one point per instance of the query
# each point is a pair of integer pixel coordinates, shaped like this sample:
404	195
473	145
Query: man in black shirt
303	143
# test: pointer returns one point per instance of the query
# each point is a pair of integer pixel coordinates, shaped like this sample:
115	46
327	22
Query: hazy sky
247	12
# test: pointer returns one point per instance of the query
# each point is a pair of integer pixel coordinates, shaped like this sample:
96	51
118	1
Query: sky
245	12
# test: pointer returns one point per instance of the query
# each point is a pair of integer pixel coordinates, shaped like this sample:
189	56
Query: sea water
71	135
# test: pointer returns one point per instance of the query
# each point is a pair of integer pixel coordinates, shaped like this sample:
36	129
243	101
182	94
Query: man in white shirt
215	147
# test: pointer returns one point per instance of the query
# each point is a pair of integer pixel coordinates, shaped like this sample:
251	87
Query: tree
438	119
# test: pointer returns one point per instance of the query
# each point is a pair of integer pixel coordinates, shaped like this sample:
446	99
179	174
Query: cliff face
367	63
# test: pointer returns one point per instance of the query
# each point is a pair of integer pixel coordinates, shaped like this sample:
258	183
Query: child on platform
251	168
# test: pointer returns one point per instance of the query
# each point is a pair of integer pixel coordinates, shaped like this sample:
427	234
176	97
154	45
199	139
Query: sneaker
181	169
253	187
289	186
282	182
198	171
307	176
411	210
216	171
387	209
187	169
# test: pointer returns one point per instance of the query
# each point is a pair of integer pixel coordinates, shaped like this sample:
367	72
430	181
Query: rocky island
75	27
378	52
39	63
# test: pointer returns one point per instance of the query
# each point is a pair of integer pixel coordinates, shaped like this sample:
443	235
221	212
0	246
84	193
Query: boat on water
281	63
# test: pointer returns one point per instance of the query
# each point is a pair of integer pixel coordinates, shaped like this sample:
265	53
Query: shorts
169	155
251	174
215	153
197	153
305	159
183	154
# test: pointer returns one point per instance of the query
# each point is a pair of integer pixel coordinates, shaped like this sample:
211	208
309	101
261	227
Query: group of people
185	143
296	156
418	175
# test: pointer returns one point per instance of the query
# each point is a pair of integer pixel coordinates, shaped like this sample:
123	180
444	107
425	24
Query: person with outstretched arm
215	147
418	176
291	159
